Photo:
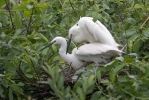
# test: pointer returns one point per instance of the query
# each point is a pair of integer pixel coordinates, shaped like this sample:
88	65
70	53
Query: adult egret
94	32
71	59
94	52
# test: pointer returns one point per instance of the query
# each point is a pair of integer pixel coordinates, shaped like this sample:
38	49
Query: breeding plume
94	52
94	32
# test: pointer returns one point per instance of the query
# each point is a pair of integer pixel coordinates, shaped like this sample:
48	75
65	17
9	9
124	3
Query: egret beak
68	43
47	45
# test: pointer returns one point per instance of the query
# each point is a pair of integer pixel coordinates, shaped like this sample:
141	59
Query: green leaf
96	95
79	71
122	79
1	92
105	81
60	82
145	33
120	58
98	75
129	60
137	45
119	67
4	83
91	79
29	75
138	6
0	25
10	94
80	93
131	21
64	21
10	74
112	76
109	66
130	32
21	84
42	5
17	20
2	2
17	32
19	7
133	55
42	37
10	65
95	16
16	88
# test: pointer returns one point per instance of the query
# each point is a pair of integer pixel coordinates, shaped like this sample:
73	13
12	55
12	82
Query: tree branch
18	71
29	24
10	14
145	21
33	65
73	8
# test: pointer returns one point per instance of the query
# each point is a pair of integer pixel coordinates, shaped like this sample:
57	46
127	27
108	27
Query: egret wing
98	31
97	49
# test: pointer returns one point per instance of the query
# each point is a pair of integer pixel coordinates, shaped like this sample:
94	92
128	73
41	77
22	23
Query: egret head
73	34
74	31
57	40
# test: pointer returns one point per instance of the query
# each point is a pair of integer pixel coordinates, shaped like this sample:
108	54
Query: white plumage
93	32
94	52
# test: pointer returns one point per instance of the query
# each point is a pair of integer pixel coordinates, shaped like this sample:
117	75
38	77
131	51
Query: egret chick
94	32
94	52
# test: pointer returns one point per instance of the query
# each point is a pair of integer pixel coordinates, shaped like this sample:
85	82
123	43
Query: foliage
27	25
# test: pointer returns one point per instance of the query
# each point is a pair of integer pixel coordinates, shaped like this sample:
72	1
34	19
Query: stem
145	21
72	7
10	14
18	71
84	4
29	24
33	65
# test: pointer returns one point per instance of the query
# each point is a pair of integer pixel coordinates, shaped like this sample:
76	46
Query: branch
18	71
145	21
10	14
72	7
29	24
33	65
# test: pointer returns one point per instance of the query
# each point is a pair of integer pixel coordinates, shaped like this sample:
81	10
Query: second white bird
95	52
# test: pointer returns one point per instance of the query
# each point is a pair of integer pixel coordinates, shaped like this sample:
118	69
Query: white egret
71	59
94	52
93	32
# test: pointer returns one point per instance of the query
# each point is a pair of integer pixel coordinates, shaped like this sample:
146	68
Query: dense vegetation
28	25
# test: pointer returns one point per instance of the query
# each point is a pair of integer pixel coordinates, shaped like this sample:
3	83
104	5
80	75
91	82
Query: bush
27	25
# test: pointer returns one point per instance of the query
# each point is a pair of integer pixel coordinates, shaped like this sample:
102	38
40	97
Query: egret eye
77	24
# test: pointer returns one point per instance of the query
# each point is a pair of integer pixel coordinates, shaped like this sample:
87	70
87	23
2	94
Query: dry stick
10	14
124	47
72	7
145	21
